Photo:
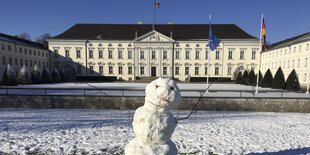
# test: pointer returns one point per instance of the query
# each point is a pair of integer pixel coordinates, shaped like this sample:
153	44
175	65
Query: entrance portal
153	71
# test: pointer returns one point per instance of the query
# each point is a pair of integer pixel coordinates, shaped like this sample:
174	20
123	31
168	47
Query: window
16	62
39	63
120	54
229	54
78	53
253	54
10	61
141	54
294	49
197	55
177	70
307	47
306	62
25	50
9	47
153	54
3	61
91	53
298	63
42	54
196	70
186	54
206	70
79	69
216	71
177	54
299	49
207	54
26	63
130	70
241	54
67	54
39	53
217	55
186	70
35	52
165	55
164	70
229	70
30	63
110	55
305	77
293	63
91	68
110	69
129	54
120	69
142	70
20	50
21	62
101	69
3	47
100	53
30	51
288	64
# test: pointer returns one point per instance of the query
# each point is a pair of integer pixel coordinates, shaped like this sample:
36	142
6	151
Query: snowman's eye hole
157	86
171	88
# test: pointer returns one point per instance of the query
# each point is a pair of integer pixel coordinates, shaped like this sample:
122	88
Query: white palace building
133	51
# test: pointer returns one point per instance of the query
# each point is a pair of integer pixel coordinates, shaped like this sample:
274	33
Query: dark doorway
153	71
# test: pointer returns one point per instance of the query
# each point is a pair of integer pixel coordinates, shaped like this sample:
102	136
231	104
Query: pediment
154	36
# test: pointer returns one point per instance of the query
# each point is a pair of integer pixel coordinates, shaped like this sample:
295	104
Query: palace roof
20	41
290	41
129	31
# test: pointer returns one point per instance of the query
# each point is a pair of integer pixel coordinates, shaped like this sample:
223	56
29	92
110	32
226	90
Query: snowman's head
162	94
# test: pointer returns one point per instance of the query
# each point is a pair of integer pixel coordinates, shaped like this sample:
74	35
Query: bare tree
25	36
42	39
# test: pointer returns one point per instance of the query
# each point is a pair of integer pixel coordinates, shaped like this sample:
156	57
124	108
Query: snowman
153	123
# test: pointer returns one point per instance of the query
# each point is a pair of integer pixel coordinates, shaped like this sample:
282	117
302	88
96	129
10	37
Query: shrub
278	82
267	80
240	79
9	76
251	77
292	82
24	76
36	75
46	75
56	76
62	74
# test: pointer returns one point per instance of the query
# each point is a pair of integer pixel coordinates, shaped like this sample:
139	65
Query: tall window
196	70
141	54
307	47
20	49
110	55
299	49
293	63
67	54
55	52
120	69
16	62
165	55
229	70
129	54
22	62
186	70
298	63
288	64
164	70
101	69
253	54
29	61
120	54
153	54
305	77
229	54
142	70
100	53
207	54
177	70
216	71
186	54
9	47
206	70
91	68
26	63
217	55
177	54
3	61
91	54
306	62
241	54
30	51
110	69
129	69
197	55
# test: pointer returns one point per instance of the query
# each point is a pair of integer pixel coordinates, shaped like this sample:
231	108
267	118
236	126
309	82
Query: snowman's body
153	123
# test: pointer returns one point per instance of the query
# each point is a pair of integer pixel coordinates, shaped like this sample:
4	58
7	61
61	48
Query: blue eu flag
213	40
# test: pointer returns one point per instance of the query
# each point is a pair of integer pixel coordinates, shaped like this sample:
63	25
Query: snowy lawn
63	131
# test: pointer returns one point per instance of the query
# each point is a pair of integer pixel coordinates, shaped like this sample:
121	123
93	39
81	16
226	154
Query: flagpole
155	13
259	53
308	81
208	71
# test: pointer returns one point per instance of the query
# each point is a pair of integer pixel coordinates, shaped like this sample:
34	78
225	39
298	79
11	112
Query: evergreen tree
62	74
267	80
259	80
36	75
46	75
56	75
9	76
292	82
251	77
278	82
24	76
240	79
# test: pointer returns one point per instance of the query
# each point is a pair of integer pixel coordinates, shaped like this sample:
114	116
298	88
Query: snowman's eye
171	88
157	86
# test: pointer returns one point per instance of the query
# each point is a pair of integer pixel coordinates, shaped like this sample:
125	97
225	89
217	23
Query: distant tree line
41	39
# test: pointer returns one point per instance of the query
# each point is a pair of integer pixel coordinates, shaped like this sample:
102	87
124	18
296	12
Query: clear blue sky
283	18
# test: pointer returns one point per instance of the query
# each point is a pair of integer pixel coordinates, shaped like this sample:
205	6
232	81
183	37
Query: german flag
156	4
264	35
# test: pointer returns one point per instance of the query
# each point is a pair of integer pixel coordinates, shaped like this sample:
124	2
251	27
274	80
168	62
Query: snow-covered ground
137	89
64	131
